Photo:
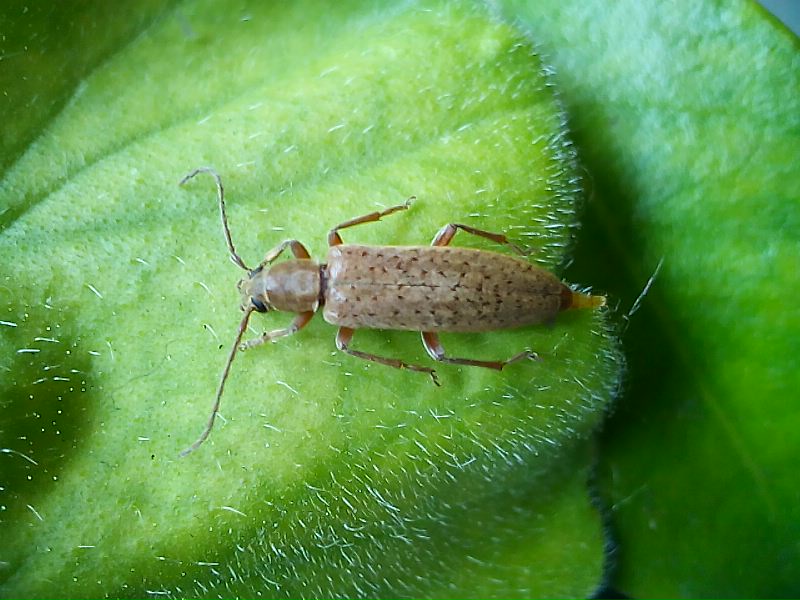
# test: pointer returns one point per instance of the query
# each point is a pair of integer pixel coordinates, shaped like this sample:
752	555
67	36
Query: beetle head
253	289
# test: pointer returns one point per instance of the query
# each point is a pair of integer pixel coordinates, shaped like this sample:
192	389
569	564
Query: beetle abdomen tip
573	299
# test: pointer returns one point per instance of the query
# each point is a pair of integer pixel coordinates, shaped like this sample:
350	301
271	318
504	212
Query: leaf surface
329	477
688	121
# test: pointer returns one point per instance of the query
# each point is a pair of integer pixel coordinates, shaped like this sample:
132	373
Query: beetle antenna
221	195
215	408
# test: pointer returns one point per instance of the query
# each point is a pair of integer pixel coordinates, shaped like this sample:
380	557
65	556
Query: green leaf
46	49
688	119
330	477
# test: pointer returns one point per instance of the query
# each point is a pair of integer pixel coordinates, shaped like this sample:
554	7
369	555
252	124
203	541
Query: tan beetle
429	289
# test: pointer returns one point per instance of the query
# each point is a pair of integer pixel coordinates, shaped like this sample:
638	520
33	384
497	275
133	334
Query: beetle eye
258	305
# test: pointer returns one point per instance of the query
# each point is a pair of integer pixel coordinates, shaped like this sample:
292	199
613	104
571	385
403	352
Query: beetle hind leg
436	351
345	335
446	234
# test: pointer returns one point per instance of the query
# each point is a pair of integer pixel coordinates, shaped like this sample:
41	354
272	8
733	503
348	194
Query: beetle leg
297	249
446	233
436	351
299	322
345	334
334	239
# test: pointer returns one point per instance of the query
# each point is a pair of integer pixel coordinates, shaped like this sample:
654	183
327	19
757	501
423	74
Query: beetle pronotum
429	289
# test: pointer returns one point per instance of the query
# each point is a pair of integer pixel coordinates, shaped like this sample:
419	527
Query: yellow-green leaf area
327	476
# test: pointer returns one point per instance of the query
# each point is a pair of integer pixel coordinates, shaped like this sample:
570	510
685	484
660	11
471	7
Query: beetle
428	289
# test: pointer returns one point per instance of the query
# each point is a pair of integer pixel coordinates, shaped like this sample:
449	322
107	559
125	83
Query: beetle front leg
296	248
299	322
345	334
446	234
334	239
436	351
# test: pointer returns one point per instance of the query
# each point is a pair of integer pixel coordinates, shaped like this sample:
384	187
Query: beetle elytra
429	289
